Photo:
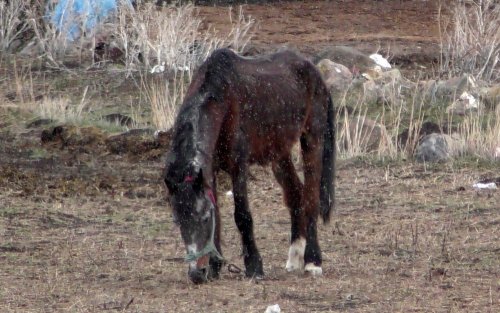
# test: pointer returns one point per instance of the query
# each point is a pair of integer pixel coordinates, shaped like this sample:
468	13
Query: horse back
270	102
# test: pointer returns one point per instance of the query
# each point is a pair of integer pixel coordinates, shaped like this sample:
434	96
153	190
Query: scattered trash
231	268
273	309
471	101
184	68
158	68
497	153
229	193
490	186
380	60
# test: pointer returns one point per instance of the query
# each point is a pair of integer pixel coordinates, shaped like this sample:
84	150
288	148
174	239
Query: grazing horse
239	111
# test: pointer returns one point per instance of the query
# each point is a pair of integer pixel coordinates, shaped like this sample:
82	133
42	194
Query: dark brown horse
240	111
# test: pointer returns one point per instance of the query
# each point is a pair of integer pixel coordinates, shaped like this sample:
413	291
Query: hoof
314	270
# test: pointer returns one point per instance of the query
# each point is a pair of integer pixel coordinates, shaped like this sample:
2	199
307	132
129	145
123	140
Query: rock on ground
336	76
352	58
438	148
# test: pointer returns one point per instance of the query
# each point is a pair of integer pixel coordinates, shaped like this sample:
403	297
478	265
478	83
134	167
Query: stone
437	147
337	77
466	103
356	61
451	89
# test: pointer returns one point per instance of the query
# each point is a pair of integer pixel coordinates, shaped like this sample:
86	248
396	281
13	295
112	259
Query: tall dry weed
470	41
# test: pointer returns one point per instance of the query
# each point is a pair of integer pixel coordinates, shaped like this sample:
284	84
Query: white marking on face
199	205
314	270
296	255
192	249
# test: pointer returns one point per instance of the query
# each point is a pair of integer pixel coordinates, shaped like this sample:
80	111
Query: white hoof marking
296	255
313	269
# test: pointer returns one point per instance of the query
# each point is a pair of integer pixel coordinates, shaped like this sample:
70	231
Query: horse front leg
215	262
244	222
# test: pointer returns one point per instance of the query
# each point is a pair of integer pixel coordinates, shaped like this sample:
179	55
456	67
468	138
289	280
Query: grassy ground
86	232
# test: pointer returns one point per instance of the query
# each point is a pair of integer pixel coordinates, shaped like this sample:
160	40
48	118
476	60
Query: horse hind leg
312	157
285	174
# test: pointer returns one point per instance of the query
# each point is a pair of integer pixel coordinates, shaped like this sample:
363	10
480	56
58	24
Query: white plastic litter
485	186
229	193
497	153
471	101
380	60
273	309
158	68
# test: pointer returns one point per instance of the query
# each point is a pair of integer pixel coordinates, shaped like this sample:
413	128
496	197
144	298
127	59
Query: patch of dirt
86	230
405	31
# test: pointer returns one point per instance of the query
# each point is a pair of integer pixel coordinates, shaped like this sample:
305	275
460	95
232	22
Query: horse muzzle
199	270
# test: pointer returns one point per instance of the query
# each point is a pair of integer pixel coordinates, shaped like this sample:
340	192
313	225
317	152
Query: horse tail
327	190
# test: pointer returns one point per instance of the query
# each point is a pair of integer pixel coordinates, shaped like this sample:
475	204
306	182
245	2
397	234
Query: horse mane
209	83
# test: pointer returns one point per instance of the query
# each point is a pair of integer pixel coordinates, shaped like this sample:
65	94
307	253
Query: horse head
193	204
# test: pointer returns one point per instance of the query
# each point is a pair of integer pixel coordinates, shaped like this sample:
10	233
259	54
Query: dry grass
358	138
165	97
481	134
61	109
471	41
404	238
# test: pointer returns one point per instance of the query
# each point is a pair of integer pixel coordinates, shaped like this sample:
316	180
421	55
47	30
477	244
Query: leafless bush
12	24
470	42
172	40
172	37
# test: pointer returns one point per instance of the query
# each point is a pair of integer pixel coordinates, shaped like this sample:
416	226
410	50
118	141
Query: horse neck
206	124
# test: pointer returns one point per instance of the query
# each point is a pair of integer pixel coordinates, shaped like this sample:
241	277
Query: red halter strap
209	192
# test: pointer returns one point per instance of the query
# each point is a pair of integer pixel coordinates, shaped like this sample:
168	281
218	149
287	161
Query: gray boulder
436	147
336	76
433	148
451	89
353	59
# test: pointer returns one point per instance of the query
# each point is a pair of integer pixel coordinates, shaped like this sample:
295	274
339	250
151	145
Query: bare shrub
172	37
12	24
470	42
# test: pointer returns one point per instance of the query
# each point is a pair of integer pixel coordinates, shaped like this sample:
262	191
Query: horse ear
198	180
